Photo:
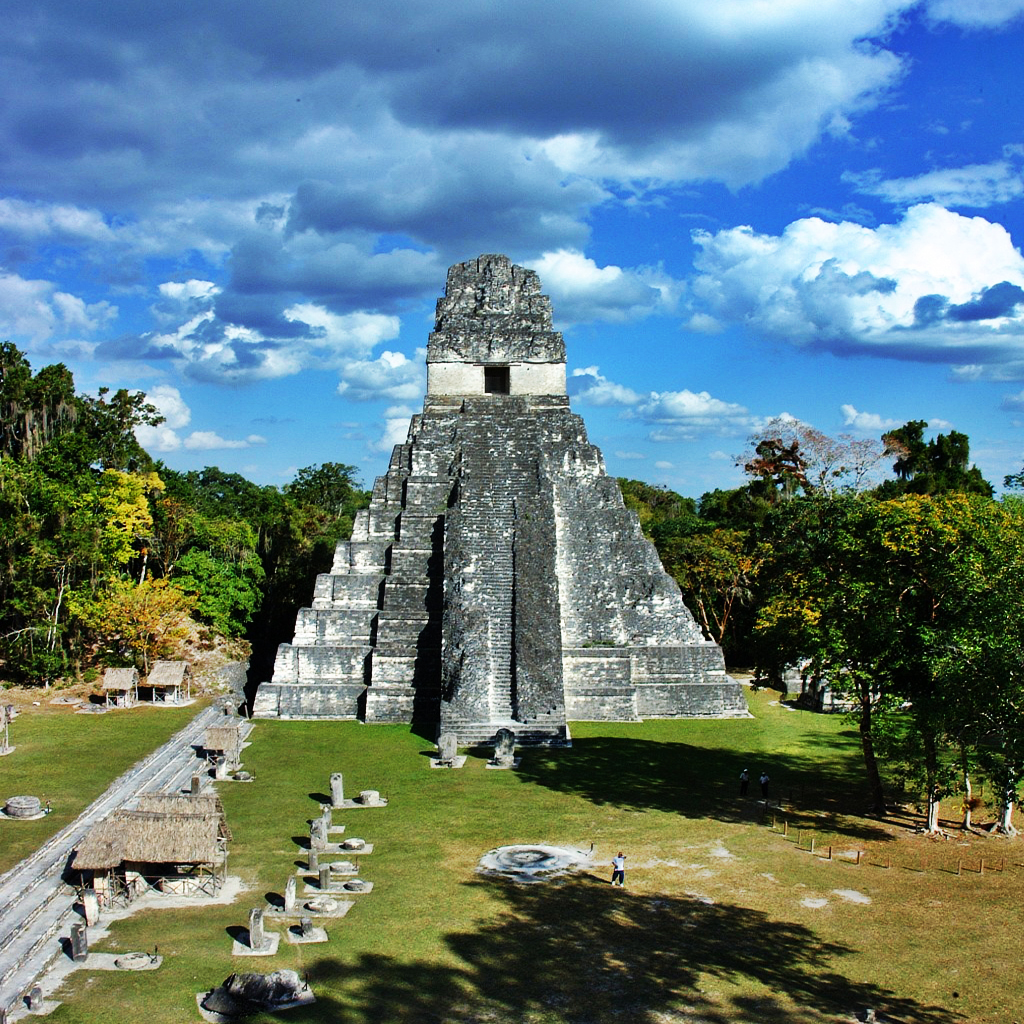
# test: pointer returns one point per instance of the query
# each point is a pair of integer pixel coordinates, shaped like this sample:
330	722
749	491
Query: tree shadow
700	782
579	952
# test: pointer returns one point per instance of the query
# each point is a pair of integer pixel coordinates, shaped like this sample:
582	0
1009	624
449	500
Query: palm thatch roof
203	804
169	673
140	837
223	737
120	678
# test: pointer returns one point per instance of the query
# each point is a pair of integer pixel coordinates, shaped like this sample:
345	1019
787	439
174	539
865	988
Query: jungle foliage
899	595
108	557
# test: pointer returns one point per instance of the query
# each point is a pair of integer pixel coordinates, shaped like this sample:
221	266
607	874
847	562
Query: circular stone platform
532	863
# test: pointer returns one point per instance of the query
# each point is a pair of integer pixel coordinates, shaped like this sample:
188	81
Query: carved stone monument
504	749
337	789
257	936
79	942
289	895
497	579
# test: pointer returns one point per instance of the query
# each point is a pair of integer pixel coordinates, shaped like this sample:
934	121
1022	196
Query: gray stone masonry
497	579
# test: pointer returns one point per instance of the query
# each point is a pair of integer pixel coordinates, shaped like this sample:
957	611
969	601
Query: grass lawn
71	759
724	918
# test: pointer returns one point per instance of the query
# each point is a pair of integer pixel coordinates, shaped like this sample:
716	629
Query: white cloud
36	221
685	415
183	291
590	386
166	436
976	13
1014	403
868	422
662	464
934	285
630	456
209	440
34	310
347	332
582	291
396	428
977	185
391	375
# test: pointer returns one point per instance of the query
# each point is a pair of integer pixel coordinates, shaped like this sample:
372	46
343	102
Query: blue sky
741	210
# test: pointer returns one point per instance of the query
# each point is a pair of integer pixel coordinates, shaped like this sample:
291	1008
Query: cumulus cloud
205	345
591	386
209	440
868	422
686	415
976	185
167	437
33	310
582	291
391	375
395	428
934	286
37	221
976	14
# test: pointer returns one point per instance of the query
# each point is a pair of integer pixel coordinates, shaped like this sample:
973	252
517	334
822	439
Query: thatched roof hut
205	804
172	679
140	837
224	739
121	686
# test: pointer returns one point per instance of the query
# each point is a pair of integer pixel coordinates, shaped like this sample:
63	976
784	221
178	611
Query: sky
741	210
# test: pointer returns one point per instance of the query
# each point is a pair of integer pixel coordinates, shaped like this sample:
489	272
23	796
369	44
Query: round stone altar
23	807
526	863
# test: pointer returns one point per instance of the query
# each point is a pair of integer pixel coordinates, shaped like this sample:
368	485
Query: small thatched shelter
224	740
176	803
121	687
132	851
170	682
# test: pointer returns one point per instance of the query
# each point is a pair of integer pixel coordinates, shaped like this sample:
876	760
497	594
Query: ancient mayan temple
497	579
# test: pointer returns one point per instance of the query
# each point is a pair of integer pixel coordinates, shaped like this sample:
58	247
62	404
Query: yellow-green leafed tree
146	621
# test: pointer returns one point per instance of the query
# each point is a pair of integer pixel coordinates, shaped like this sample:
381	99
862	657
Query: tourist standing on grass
764	785
744	781
619	869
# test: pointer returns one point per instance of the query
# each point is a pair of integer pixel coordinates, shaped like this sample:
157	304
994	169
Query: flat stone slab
296	938
455	762
244	949
4	751
355	805
492	766
341	908
335	890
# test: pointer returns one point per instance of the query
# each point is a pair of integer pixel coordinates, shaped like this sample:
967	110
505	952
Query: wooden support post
830	853
981	866
785	827
857	861
812	844
959	865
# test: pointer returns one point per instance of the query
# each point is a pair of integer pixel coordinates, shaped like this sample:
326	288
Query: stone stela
497	579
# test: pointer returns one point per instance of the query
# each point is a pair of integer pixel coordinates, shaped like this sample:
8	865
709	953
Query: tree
822	604
793	453
145	622
716	573
938	466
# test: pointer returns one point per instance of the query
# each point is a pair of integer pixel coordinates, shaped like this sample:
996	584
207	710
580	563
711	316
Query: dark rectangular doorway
496	380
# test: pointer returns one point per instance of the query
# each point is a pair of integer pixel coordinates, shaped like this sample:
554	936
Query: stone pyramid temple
497	580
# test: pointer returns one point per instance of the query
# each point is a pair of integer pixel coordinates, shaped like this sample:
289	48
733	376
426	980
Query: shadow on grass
700	782
581	952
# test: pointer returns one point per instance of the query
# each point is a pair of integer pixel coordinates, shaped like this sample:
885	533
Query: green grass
70	760
717	923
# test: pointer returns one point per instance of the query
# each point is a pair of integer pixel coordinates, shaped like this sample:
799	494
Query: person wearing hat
744	781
